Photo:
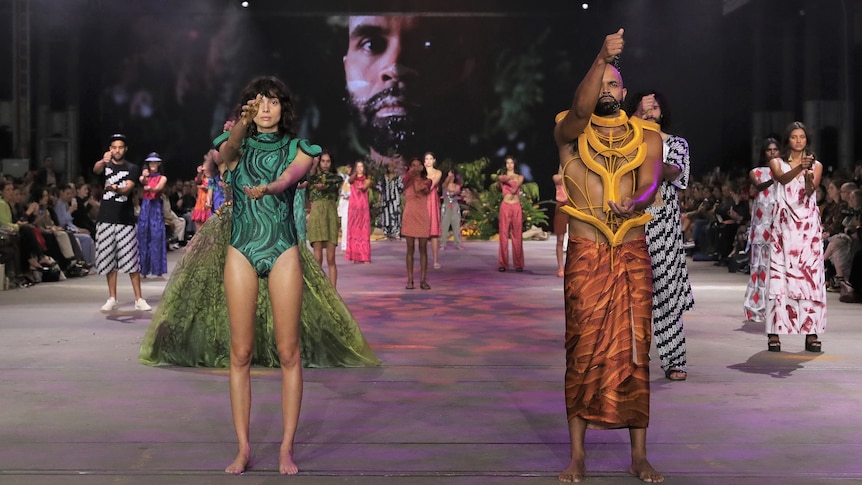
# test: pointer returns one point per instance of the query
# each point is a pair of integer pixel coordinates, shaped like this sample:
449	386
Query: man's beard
606	108
387	135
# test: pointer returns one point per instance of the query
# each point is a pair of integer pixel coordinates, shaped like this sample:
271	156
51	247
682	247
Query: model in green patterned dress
324	185
190	325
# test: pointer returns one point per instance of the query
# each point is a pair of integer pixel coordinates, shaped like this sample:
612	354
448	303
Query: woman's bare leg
411	248
435	249
240	285
330	263
317	247
285	280
423	257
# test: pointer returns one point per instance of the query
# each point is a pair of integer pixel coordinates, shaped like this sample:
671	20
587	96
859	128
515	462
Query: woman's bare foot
239	464
643	470
286	466
574	473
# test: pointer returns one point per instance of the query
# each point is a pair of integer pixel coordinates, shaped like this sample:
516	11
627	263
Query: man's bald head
612	94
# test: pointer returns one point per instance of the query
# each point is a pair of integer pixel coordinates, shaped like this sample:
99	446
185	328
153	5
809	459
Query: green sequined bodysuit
264	229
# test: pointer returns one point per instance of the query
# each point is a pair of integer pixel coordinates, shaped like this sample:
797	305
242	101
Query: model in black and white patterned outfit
672	294
116	229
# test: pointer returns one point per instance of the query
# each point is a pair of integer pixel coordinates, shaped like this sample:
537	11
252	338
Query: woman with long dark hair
796	287
511	217
323	186
759	230
359	216
264	162
416	223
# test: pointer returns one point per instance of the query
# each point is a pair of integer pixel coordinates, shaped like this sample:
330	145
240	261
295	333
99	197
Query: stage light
244	4
585	5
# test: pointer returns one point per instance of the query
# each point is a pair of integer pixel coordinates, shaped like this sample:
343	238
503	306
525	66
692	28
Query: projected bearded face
387	68
612	94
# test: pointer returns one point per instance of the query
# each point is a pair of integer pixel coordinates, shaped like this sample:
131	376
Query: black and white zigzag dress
671	289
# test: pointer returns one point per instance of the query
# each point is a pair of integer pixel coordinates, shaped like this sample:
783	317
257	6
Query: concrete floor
470	391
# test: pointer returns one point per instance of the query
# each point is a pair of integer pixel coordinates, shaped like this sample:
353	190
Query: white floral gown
796	286
758	240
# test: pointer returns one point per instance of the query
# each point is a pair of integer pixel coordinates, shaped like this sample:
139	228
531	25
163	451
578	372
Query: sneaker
141	304
688	245
110	305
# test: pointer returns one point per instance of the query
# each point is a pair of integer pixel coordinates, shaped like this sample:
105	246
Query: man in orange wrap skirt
611	168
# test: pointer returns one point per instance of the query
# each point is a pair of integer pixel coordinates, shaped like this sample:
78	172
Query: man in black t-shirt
116	229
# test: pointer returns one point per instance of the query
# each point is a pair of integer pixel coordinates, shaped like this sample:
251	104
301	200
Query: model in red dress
416	221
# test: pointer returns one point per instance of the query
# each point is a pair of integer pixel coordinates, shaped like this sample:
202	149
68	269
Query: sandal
424	285
774	344
409	286
812	344
501	269
675	374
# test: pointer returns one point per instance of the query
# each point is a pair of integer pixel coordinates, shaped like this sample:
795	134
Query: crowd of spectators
48	225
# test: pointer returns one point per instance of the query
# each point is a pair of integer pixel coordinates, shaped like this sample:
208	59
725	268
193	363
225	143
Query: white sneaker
141	304
110	305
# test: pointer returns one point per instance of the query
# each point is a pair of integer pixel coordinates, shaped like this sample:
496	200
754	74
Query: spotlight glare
244	4
585	5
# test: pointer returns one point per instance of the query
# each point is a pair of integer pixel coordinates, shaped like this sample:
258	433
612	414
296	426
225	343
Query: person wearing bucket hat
151	220
116	235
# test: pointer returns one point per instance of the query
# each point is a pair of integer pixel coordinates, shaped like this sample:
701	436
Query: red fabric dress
358	223
416	220
434	211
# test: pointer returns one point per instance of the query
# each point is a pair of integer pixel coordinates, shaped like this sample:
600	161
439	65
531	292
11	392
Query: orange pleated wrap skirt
608	309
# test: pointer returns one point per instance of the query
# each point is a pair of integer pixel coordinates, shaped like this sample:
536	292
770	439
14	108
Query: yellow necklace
616	162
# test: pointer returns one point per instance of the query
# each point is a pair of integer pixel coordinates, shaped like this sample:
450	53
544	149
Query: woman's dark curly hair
632	102
271	87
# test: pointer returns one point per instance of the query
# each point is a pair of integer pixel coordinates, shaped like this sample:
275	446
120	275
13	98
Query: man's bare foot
643	470
574	473
286	466
239	464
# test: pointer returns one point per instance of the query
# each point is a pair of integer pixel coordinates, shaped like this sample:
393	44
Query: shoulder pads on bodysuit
646	125
217	143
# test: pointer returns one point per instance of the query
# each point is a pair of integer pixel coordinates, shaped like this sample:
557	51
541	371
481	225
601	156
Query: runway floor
470	390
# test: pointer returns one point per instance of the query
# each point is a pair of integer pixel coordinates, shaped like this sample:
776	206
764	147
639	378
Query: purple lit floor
470	390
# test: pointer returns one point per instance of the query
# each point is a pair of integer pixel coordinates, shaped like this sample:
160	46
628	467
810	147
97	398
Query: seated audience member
841	248
64	205
29	246
176	225
83	209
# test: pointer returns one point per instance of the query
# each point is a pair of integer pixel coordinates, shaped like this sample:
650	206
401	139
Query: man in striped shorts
116	230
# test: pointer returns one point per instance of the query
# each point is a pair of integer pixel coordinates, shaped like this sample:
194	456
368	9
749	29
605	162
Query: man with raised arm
611	167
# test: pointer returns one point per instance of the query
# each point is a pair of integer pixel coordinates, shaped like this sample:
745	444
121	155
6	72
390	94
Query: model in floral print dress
796	286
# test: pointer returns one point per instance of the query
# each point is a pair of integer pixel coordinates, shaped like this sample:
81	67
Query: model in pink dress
435	176
511	218
358	217
796	286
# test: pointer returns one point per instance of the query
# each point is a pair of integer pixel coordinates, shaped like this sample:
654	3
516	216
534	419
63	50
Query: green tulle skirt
190	326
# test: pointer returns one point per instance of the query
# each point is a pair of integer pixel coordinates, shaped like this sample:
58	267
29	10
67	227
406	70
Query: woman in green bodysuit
263	158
